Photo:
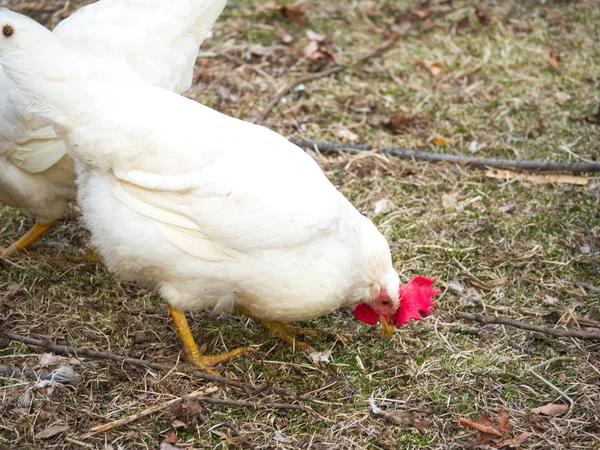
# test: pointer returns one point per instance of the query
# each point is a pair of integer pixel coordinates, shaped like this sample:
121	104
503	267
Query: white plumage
209	210
158	39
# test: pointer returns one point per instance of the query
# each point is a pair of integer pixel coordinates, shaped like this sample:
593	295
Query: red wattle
366	314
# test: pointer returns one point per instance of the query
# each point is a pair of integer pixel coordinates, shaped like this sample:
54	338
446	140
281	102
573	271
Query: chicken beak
387	328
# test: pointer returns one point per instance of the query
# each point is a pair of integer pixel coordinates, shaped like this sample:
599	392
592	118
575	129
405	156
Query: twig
79	352
591	244
548	383
460	160
146	412
526	326
313	76
196	395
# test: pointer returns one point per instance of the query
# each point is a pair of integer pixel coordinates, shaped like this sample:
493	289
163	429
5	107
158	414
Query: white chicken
212	212
158	39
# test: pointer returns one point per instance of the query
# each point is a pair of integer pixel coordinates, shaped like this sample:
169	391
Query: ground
498	247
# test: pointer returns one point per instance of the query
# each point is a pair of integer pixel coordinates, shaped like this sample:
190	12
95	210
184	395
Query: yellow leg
286	332
193	353
30	238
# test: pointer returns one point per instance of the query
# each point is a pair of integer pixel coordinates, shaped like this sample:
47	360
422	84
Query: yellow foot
289	333
196	355
30	238
207	362
91	257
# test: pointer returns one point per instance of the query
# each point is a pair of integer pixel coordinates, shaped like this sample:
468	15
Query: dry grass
528	240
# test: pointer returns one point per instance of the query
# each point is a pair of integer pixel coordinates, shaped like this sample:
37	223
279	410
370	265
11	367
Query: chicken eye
385	302
8	30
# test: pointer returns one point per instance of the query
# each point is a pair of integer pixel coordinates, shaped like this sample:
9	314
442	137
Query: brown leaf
295	13
551	409
434	68
482	16
516	441
523	27
314	50
484	425
400	123
553	61
51	431
503	424
406	418
178	424
170	438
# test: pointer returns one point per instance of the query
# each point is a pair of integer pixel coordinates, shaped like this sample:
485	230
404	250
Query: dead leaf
284	36
503	424
434	68
188	411
522	27
482	16
51	431
484	425
178	424
401	123
536	179
314	50
406	418
551	409
553	61
440	141
516	441
296	13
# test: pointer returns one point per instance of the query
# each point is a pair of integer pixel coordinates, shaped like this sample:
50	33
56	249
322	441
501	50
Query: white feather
157	39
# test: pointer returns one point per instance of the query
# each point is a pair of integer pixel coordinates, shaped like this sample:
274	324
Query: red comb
415	298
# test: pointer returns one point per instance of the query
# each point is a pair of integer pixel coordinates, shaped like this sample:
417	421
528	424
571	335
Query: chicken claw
196	355
30	238
288	333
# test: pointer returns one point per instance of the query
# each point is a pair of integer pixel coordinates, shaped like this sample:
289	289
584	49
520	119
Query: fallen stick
81	352
527	326
324	73
548	383
547	166
146	412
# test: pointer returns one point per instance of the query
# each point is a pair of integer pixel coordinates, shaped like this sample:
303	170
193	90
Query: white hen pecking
158	39
213	212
